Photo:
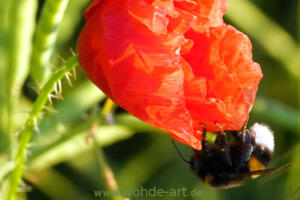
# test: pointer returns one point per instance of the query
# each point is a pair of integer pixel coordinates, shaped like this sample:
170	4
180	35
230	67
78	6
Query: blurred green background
61	161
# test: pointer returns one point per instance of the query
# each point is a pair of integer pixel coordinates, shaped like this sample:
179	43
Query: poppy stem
32	124
106	171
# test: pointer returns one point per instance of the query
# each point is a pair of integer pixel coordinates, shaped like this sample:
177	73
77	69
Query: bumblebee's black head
227	164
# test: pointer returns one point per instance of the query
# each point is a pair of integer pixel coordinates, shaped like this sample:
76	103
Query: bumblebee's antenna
179	153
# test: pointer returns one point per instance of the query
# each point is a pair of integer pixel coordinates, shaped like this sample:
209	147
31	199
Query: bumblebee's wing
252	174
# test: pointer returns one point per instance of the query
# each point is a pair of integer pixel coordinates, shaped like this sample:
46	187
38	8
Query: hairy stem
31	124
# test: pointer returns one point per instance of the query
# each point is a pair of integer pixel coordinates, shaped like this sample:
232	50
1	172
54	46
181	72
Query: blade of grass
74	144
20	32
92	129
31	124
72	18
5	169
3	61
4	136
72	141
143	164
51	183
277	113
106	172
44	43
292	185
298	20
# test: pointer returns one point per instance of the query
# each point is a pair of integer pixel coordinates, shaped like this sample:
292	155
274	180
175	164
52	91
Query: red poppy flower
171	63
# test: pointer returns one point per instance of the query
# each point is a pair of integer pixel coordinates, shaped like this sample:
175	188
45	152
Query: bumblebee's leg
204	140
199	161
222	147
245	124
221	137
246	148
238	135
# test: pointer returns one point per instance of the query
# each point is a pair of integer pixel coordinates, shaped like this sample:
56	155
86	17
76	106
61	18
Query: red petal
209	13
171	63
137	68
154	14
93	6
221	61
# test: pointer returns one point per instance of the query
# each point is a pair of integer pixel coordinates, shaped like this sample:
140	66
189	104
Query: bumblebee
227	164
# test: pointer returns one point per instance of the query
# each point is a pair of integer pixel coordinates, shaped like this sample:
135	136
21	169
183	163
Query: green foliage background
62	162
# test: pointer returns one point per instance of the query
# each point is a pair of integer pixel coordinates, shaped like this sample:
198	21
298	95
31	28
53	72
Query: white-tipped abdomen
263	136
